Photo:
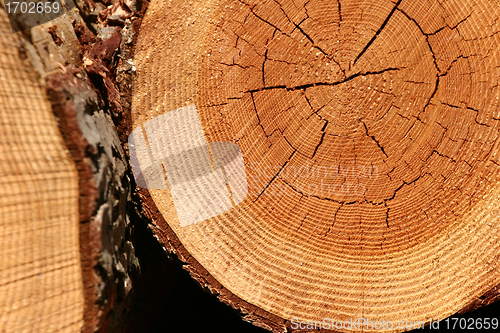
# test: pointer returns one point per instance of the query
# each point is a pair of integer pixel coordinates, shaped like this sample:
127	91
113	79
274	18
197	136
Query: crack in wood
370	42
332	84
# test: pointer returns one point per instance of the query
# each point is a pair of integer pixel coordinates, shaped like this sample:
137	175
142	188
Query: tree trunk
66	240
316	159
306	160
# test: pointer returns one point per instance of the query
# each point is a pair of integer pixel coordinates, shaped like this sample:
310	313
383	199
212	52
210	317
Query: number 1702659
32	7
471	323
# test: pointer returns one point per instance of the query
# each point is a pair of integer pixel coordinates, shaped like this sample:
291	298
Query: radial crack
263	70
310	85
426	37
260	18
436	86
257	114
375	140
311	40
387	214
340	11
378	32
319	144
276	175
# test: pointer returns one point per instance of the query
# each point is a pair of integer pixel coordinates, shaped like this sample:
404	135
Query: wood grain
41	285
369	132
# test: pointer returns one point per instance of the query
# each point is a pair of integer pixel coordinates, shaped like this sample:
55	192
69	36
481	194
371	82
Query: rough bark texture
85	58
108	257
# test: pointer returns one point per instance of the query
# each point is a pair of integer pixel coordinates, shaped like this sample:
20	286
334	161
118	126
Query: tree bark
76	66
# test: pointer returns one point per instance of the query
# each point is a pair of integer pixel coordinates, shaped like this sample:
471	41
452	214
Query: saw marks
369	132
41	286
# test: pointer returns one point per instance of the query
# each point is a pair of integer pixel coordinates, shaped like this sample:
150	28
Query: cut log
324	159
40	272
67	259
306	160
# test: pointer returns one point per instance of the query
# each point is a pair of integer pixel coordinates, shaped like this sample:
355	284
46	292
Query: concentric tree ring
369	136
